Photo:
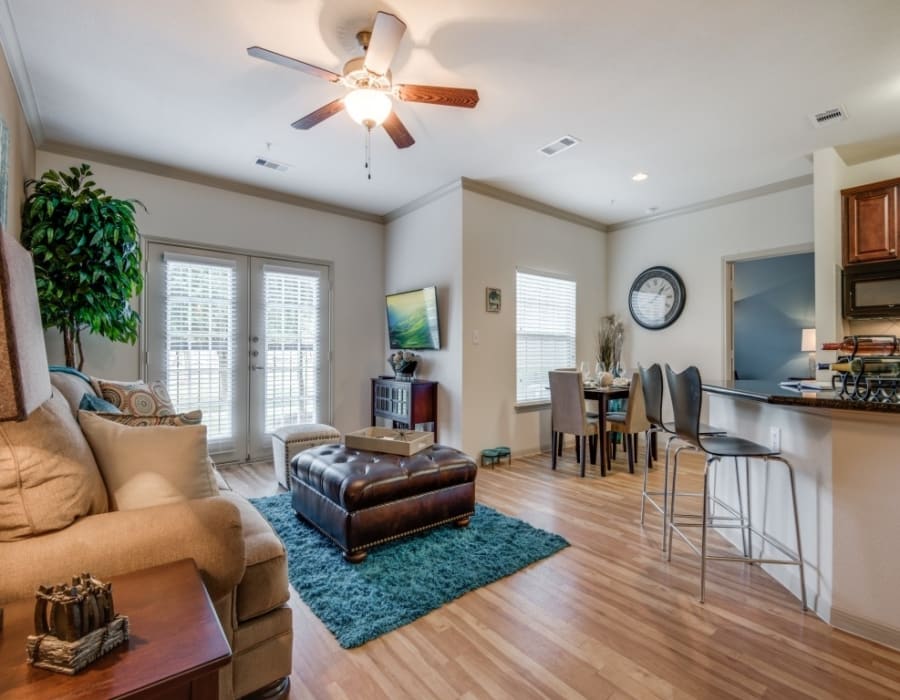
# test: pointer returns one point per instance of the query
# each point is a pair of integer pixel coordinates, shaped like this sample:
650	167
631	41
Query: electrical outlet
775	438
476	338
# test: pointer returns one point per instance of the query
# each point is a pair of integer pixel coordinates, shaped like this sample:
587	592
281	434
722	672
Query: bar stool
652	387
686	391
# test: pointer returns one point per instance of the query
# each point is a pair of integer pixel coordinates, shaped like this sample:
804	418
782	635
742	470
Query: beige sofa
240	558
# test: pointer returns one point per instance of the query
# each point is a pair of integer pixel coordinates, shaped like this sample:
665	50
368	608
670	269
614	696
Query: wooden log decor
74	624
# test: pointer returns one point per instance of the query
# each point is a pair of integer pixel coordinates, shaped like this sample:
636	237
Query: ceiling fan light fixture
368	107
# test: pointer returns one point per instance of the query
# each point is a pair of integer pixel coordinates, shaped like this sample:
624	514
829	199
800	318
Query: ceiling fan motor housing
356	76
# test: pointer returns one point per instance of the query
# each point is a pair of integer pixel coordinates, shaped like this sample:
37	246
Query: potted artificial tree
87	258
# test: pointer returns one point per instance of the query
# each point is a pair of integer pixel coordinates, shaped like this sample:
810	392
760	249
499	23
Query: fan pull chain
369	152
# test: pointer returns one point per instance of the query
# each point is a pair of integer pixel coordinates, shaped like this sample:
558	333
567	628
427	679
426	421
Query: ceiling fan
369	79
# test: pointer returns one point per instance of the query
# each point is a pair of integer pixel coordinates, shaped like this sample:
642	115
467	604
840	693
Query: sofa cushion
265	583
175	419
72	384
48	476
149	466
136	398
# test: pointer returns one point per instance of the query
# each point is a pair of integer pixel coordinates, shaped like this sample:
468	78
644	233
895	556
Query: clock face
656	298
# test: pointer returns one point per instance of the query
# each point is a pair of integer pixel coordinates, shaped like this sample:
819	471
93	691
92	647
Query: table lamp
808	344
24	376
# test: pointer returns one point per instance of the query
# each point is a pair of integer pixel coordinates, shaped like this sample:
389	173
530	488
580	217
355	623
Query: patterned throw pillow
137	398
175	419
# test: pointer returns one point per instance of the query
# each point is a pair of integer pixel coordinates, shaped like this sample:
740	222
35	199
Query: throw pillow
136	398
177	419
89	402
149	466
48	476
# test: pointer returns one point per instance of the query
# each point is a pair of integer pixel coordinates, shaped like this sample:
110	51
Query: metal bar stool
686	391
652	387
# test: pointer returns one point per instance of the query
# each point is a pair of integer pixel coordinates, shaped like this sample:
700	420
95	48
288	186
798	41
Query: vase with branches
87	258
610	339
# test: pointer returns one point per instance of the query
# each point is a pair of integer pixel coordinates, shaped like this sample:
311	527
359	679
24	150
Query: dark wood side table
175	649
405	404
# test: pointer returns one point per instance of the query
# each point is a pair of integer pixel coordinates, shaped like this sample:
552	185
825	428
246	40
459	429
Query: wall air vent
560	145
271	164
829	116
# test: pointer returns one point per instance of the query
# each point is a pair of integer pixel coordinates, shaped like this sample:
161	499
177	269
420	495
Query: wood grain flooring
605	618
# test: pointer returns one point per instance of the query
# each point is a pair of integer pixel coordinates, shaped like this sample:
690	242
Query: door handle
256	367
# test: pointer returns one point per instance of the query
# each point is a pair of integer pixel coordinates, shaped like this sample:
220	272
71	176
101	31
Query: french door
243	338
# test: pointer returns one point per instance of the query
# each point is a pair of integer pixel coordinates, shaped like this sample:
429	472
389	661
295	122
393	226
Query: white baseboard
889	636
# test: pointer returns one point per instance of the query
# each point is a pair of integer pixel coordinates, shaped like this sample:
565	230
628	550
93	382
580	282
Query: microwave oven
872	291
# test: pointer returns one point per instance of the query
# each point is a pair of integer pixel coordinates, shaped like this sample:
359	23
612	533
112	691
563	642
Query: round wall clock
656	298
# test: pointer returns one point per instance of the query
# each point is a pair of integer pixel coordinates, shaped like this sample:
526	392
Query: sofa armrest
207	530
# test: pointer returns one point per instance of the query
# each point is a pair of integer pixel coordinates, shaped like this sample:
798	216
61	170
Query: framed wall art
492	299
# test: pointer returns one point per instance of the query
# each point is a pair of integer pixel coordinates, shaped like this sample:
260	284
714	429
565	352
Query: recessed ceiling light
639	177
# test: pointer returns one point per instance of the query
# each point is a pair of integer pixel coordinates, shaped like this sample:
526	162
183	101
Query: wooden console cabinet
405	404
870	222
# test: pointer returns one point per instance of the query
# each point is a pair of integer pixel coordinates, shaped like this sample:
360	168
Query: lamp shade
368	107
808	340
24	376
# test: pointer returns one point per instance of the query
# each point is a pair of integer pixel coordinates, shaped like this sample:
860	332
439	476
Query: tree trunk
68	346
80	349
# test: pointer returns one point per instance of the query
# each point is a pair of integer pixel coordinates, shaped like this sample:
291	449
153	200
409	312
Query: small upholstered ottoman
291	439
361	499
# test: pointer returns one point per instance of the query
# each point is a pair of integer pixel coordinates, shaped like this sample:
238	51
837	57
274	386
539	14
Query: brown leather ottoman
361	499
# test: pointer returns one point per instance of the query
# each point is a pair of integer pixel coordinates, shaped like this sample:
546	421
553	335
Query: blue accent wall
774	299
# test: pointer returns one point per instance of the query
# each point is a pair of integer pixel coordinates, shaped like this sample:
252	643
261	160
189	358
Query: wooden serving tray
396	442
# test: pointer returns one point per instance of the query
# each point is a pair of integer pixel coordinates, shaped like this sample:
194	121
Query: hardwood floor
607	617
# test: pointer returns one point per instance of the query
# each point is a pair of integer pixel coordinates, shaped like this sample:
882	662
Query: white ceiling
709	97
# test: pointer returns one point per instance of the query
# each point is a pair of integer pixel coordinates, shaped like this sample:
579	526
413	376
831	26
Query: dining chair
590	414
631	422
686	390
652	389
568	415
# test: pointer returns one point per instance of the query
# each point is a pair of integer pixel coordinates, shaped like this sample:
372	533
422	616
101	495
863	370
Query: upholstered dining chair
590	415
568	415
630	422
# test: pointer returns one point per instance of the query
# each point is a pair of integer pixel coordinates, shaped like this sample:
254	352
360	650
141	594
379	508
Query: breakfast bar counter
845	454
774	393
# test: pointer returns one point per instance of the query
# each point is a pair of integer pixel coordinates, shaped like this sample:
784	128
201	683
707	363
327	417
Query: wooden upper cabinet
870	222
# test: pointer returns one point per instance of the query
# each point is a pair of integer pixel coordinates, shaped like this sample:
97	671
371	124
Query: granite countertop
772	392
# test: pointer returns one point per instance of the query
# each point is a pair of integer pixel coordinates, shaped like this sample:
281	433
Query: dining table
603	395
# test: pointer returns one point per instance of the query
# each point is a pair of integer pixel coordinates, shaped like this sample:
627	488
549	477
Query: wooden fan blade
387	32
447	96
288	62
398	133
320	115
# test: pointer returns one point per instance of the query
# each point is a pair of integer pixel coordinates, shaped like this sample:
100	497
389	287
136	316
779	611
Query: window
545	332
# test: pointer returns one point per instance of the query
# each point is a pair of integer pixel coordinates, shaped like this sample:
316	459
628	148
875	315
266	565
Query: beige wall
194	213
696	245
423	248
498	237
21	149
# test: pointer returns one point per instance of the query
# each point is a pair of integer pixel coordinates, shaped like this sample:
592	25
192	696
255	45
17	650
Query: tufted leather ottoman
360	499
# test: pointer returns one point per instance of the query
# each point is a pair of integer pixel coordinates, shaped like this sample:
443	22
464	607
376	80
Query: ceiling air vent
560	145
829	116
271	164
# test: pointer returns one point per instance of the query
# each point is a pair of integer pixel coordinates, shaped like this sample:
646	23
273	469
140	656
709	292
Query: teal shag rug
403	580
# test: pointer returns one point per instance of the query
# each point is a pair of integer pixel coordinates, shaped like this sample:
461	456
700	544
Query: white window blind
200	329
545	332
293	328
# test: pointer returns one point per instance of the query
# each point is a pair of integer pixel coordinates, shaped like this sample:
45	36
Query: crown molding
9	42
772	188
420	202
197	178
532	204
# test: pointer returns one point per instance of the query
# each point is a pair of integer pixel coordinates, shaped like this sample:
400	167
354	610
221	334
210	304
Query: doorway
244	338
772	301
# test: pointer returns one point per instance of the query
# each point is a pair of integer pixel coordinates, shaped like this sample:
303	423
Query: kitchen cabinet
870	224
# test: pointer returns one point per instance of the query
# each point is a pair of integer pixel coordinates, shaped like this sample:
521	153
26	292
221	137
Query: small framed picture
492	299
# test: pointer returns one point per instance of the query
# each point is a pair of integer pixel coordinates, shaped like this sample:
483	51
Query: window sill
531	406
